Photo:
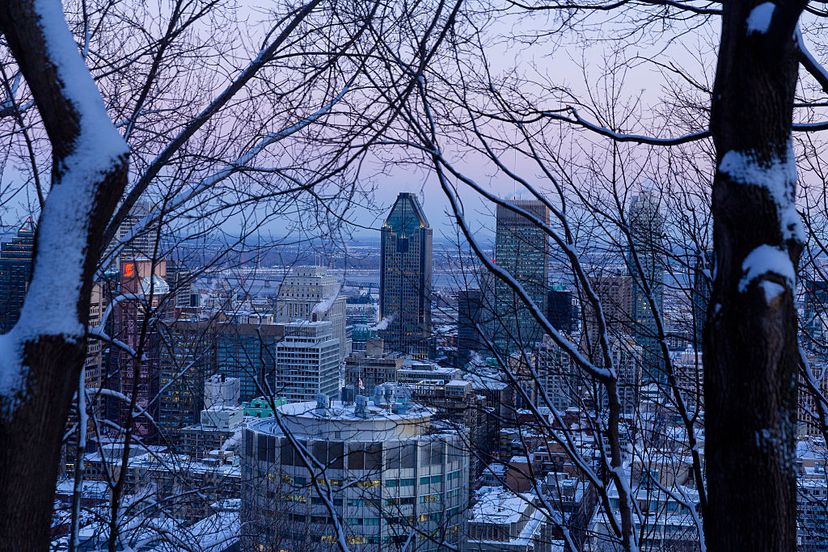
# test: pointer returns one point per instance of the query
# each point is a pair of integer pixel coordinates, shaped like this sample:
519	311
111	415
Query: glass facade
405	278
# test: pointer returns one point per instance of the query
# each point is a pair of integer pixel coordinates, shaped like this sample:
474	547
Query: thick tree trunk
30	445
750	343
44	353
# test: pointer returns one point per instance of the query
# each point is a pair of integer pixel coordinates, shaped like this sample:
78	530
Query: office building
247	351
522	249
15	273
364	370
469	323
137	236
219	420
559	308
307	362
187	358
558	377
613	287
221	391
405	279
702	290
645	260
415	371
135	320
814	323
505	521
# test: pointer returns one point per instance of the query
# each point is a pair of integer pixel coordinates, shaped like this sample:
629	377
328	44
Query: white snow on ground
767	259
778	176
50	307
760	18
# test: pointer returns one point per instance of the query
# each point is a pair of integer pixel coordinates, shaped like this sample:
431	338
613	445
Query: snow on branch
138	410
809	62
575	118
98	333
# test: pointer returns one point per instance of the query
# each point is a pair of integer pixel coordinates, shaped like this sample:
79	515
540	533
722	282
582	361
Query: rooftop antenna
322	404
361	406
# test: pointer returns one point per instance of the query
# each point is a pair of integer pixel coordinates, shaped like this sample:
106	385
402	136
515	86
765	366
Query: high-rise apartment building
405	278
645	260
310	293
522	249
613	287
307	362
15	273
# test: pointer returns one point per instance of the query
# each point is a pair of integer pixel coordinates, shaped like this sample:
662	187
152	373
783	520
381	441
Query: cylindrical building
390	477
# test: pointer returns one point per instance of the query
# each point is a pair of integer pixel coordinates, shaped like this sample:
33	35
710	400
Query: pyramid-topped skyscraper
405	278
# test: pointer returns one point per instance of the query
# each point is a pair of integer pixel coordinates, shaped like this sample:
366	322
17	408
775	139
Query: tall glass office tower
522	248
15	272
405	278
645	259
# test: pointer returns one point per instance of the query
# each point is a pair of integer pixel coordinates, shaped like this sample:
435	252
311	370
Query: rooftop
499	506
339	421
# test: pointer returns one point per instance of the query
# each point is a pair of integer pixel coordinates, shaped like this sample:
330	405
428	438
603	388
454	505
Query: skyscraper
136	324
645	260
521	248
15	273
559	308
814	321
702	289
613	286
469	320
137	235
187	358
247	351
405	278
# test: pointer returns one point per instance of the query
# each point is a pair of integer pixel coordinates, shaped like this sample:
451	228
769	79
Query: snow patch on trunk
772	290
767	259
777	176
760	18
